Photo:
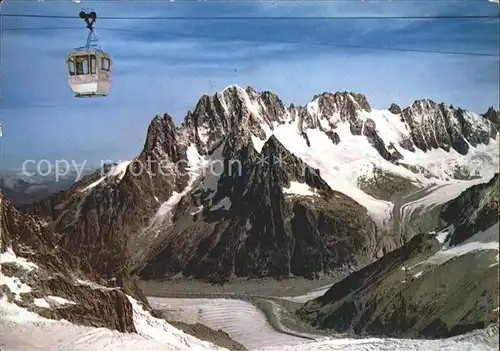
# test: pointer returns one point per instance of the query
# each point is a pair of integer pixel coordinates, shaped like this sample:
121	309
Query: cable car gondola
89	67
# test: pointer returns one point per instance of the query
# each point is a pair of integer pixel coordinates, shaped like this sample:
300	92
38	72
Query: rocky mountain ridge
246	186
433	286
43	277
265	232
475	210
431	125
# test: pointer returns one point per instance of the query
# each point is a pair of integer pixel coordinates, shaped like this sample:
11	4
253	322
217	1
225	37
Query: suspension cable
274	18
232	38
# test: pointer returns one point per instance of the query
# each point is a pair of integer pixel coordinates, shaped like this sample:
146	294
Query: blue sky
166	65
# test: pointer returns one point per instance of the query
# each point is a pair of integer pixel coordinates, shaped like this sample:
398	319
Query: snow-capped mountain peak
347	140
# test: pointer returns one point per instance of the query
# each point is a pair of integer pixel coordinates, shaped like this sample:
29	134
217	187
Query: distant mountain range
23	190
27	187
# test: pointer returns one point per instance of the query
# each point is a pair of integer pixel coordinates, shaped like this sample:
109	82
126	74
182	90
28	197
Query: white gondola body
89	72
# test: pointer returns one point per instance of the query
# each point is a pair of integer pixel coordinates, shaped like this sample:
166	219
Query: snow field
243	322
116	171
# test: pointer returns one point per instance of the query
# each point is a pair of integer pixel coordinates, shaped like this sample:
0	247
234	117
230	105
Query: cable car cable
305	43
40	29
211	18
177	34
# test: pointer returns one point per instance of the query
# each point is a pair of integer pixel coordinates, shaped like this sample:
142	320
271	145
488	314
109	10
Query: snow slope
339	165
14	284
160	331
118	171
484	340
486	240
297	188
24	330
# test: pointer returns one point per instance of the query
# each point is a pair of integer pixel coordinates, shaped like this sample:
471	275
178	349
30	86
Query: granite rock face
435	126
251	227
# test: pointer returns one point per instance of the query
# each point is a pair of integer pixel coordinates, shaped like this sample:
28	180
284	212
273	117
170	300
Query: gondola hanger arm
89	18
